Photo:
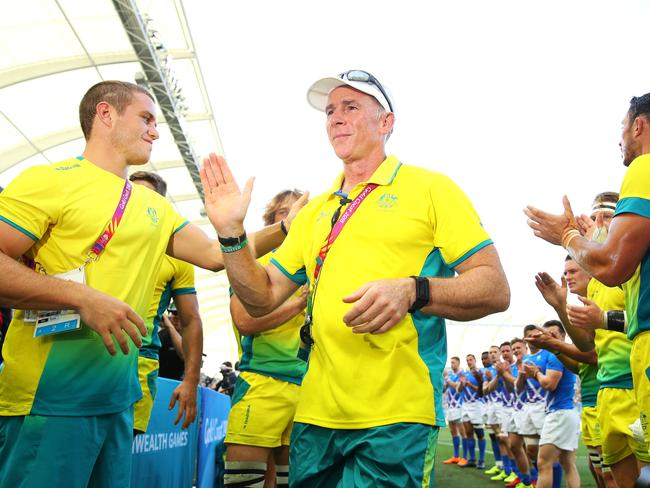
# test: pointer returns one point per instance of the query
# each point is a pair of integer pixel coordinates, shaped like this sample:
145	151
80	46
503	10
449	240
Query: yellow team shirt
415	223
635	199
175	278
274	352
613	348
64	208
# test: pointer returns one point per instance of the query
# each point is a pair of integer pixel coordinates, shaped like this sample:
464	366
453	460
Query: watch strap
232	241
422	296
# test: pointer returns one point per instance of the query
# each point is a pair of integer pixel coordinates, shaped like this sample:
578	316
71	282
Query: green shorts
396	455
66	451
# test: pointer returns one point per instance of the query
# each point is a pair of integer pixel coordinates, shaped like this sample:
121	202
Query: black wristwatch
231	241
421	293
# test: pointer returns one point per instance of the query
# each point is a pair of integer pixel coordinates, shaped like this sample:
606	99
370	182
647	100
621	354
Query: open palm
225	203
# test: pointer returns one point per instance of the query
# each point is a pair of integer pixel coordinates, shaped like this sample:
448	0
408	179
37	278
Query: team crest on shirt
153	216
322	215
387	200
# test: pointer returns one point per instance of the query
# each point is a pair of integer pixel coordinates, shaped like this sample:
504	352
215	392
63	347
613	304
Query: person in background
266	392
175	281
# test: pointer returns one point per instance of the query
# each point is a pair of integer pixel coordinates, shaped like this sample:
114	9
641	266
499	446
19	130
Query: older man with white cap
389	252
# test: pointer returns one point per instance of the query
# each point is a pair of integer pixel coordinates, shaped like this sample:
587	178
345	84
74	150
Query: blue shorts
397	455
38	450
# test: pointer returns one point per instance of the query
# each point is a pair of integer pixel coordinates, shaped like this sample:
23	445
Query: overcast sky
518	102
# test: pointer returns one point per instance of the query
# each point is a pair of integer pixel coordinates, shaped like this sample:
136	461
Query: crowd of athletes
537	394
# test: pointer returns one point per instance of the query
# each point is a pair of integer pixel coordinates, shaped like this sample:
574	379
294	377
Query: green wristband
235	248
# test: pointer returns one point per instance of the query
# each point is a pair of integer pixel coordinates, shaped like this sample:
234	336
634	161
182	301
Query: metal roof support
159	80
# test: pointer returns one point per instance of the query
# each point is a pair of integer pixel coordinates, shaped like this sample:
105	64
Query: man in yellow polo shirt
380	250
66	398
623	258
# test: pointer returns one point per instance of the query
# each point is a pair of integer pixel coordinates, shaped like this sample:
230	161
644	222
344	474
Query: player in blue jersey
493	404
505	391
561	429
473	410
454	412
536	400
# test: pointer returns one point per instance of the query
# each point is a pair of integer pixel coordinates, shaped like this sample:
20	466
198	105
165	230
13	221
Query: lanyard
103	239
338	227
109	232
324	250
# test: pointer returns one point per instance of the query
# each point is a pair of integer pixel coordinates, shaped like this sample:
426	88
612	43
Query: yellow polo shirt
415	223
64	208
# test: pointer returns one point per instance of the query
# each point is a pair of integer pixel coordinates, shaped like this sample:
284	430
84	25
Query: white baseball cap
355	78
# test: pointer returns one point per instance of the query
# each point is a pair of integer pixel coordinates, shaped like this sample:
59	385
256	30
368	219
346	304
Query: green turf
453	476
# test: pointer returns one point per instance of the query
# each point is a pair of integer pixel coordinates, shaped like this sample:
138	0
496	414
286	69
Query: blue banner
215	408
165	456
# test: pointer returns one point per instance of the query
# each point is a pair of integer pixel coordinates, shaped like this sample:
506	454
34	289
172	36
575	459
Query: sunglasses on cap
365	77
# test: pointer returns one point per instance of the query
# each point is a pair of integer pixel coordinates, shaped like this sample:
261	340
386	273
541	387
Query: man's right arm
25	289
260	290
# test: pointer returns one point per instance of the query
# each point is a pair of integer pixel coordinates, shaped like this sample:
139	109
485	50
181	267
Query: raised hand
542	340
295	208
590	316
553	293
112	319
225	203
586	225
379	305
552	228
530	369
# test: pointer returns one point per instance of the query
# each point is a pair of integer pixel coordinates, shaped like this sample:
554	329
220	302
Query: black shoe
480	465
470	464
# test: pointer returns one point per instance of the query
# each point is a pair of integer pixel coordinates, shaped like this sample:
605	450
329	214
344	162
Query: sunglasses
365	77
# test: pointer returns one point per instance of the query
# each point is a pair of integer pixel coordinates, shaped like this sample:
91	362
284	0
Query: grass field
453	476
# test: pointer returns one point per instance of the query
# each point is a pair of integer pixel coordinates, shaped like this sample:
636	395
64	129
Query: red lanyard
338	227
109	232
331	237
103	239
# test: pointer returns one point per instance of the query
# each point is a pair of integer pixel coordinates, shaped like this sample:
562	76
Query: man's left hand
380	305
588	317
185	393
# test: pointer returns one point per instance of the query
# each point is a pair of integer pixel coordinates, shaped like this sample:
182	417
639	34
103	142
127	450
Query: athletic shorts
590	426
617	409
505	414
395	455
454	414
516	422
474	412
148	376
535	413
562	429
74	452
492	413
262	411
640	364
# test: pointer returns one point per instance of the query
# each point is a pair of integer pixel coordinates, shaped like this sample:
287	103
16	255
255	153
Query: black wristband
283	227
231	241
422	296
616	320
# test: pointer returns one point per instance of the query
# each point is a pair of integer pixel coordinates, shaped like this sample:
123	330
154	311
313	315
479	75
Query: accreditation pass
55	321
